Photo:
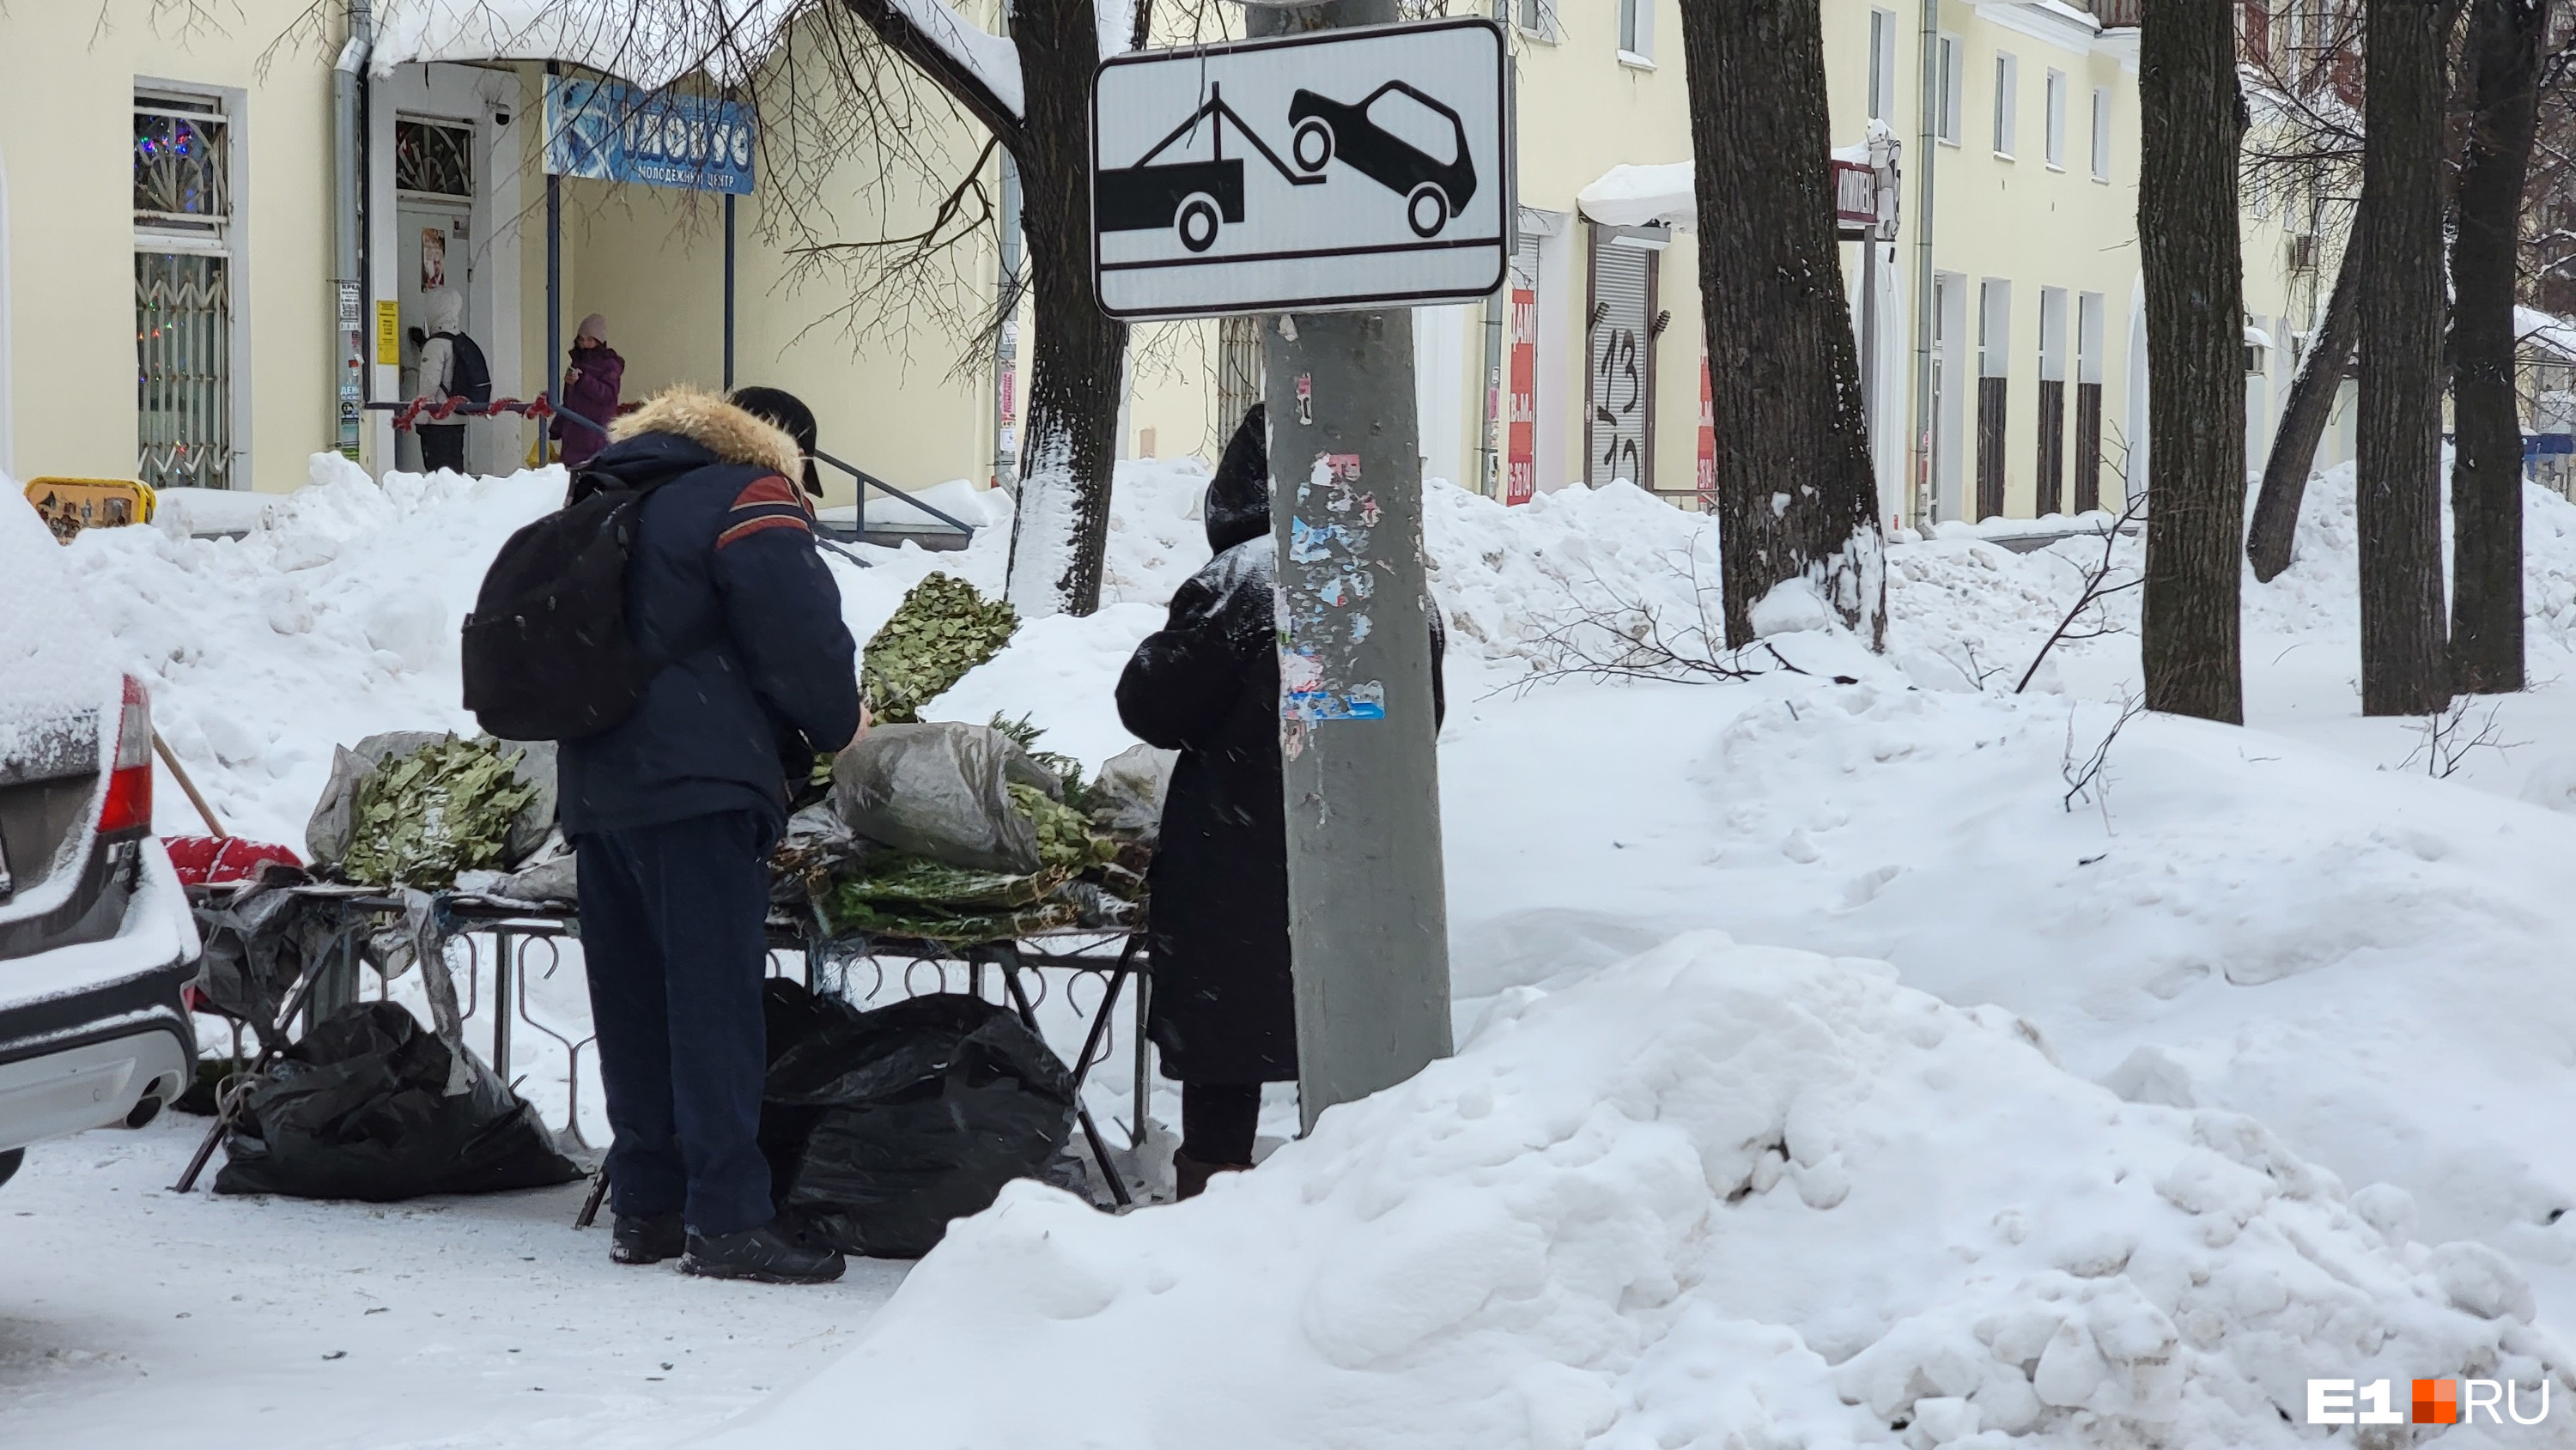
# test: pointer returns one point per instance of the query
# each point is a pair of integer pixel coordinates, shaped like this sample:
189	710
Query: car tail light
127	812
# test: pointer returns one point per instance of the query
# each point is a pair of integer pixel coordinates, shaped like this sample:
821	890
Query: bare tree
2304	145
2404	665
2302	428
1033	93
1794	484
2501	63
2192	118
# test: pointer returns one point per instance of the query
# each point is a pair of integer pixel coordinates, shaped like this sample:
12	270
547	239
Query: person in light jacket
442	310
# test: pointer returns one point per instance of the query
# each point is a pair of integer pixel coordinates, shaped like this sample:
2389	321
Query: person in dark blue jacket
675	811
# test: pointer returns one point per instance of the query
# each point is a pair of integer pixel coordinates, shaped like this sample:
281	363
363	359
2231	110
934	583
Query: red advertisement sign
1520	434
1707	438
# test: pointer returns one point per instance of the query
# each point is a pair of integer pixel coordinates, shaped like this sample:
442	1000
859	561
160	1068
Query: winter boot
647	1238
765	1255
1190	1176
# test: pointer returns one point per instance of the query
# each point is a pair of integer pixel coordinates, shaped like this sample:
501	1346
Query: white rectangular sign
1342	169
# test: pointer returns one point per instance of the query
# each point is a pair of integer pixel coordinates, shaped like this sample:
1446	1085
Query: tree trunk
2503	70
1077	373
2404	668
1060	532
1794	483
2192	118
2303	425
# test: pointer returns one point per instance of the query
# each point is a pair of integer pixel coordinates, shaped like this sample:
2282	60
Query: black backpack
469	374
546	651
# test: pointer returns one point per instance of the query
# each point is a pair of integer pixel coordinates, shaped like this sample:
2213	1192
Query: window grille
181	170
183	348
433	160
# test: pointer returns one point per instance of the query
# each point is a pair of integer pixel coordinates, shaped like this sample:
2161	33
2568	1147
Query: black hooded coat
1207	685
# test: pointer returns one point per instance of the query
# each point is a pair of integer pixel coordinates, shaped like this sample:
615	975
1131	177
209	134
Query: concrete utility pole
1367	906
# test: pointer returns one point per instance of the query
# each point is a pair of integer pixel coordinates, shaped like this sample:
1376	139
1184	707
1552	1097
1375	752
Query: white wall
8	465
1440	389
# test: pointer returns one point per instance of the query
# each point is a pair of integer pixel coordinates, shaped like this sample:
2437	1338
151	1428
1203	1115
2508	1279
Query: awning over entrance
1641	196
648	42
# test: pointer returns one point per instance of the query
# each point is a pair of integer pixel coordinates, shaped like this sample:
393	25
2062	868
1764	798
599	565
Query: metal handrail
869	480
866	480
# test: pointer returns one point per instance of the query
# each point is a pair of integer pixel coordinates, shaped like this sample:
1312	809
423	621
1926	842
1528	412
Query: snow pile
1958	593
52	653
334	615
1717	1195
333	618
1518	583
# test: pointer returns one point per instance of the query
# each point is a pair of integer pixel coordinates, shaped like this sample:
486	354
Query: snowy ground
2324	990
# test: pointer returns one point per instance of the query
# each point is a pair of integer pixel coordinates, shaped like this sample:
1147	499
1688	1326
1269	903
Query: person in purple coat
590	388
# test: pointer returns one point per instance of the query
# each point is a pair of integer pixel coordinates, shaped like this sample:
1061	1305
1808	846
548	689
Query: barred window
183	303
432	159
182	179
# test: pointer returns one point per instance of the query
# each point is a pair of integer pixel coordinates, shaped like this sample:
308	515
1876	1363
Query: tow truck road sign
1343	169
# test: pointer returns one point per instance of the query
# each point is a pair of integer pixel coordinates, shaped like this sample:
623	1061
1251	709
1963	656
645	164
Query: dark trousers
671	935
1219	1121
442	445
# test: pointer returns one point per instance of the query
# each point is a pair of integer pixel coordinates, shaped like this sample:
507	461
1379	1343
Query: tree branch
895	26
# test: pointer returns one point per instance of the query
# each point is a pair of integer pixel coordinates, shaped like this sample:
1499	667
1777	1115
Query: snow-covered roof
1652	196
1641	196
655	42
648	42
2543	332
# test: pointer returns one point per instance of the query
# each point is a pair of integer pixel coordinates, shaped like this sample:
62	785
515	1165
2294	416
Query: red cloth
201	860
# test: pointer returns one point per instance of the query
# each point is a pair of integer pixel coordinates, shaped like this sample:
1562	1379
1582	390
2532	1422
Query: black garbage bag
883	1126
360	1109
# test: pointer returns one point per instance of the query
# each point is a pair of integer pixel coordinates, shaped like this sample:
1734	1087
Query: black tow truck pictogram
1195	198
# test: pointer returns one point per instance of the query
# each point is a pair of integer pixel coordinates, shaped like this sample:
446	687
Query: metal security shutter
1619	377
183	351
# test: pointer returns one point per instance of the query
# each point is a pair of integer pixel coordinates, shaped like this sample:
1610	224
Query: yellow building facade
173	312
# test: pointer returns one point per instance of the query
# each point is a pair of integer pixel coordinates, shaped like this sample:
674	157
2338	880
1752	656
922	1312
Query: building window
2007	103
1536	18
433	159
1882	65
182	179
2057	119
1953	86
1637	31
2101	133
183	304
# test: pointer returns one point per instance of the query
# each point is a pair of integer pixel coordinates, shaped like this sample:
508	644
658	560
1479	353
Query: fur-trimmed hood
707	420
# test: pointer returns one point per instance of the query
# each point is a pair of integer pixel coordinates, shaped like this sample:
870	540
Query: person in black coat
1207	685
674	813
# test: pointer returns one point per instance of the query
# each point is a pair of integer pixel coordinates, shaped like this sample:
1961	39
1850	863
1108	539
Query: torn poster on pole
1325	602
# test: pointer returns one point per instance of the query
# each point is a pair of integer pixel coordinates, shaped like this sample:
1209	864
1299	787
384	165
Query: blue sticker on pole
608	131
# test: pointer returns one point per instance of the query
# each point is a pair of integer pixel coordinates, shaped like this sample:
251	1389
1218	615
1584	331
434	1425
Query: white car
95	934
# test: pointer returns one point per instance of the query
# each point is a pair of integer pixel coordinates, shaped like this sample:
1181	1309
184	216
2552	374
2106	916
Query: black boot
764	1255
647	1238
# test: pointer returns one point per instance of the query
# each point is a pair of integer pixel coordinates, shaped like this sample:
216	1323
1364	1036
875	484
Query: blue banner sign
605	131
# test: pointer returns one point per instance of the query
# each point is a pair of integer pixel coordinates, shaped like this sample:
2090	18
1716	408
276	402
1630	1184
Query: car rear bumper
89	1030
84	1060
